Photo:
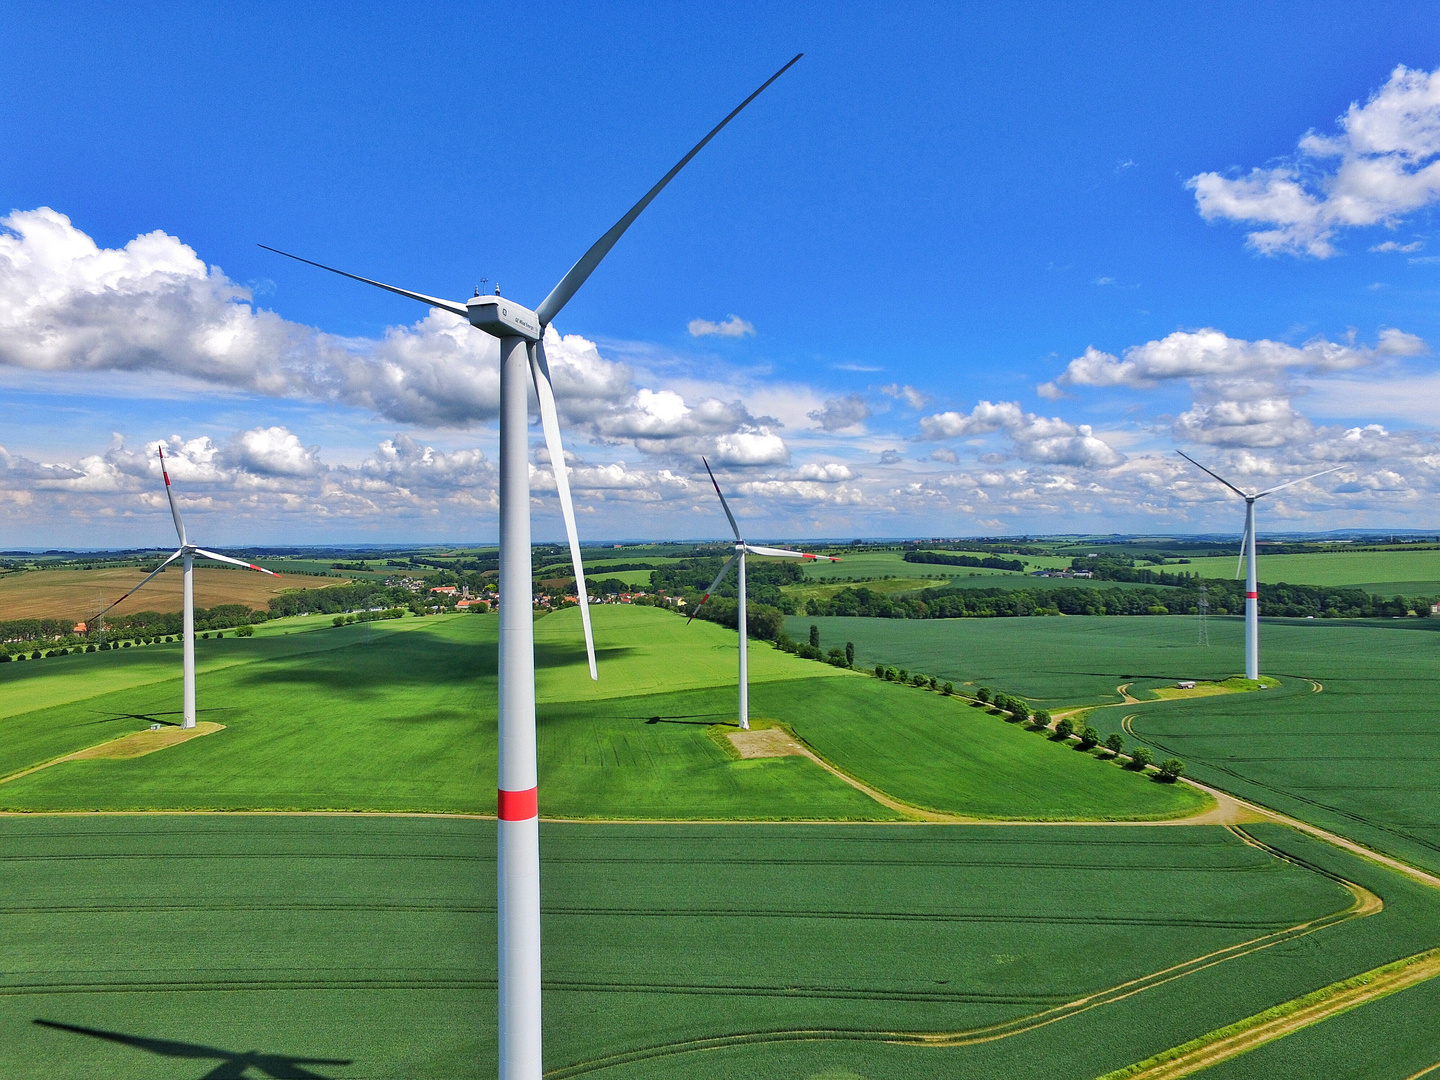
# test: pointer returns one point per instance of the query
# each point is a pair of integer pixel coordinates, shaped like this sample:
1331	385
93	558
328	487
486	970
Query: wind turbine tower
187	553
522	360
1247	554
741	550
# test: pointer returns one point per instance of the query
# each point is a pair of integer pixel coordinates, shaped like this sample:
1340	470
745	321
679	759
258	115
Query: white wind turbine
1247	554
741	550
522	353
187	551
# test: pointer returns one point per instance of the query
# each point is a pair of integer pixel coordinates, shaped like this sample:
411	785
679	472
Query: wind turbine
522	352
1247	554
741	550
187	551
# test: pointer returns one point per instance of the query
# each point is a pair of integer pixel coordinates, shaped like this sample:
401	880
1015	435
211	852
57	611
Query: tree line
988	562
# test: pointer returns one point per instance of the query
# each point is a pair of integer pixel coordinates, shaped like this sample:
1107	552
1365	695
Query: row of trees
1293	601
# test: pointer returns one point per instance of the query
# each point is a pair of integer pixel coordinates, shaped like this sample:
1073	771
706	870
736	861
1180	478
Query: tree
1140	757
1019	710
934	683
339	620
849	654
902	675
983	695
1089	737
880	672
1041	718
1065	728
814	636
918	680
948	689
1170	769
1115	743
244	631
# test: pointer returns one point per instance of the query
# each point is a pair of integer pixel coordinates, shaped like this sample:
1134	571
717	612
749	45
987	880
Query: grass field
1359	758
399	715
370	942
1374	569
79	594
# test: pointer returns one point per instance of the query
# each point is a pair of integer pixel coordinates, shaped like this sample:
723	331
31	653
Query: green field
1358	758
400	715
812	951
1368	569
369	941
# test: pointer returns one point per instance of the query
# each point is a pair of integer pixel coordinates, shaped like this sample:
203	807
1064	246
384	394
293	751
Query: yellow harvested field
79	594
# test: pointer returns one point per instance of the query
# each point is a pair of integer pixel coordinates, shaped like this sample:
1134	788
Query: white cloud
734	326
1267	422
274	451
944	453
840	413
1034	437
912	397
831	472
1391	245
1210	354
1384	163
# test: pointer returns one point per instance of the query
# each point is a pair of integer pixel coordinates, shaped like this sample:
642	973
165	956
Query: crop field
1373	569
366	945
1360	757
399	715
79	594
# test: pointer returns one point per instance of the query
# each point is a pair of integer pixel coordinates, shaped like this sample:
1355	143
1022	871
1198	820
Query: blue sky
921	232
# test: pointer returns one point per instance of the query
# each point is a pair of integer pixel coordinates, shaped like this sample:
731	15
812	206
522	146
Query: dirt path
137	744
1311	1009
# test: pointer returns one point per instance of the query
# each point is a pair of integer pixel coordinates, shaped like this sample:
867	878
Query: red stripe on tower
1252	596
519	805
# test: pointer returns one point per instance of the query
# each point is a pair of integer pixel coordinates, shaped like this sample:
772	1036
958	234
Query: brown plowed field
79	594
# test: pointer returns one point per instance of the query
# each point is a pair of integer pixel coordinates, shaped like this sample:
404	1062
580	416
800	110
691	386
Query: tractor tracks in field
1364	903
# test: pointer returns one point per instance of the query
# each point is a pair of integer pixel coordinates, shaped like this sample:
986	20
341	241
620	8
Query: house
472	603
79	628
446	590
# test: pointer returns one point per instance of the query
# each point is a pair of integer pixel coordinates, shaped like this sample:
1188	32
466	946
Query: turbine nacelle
503	318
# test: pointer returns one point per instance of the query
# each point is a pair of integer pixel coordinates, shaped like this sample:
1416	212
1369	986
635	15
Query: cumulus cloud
734	326
944	453
66	304
1392	245
1035	438
274	451
840	413
1382	164
1210	354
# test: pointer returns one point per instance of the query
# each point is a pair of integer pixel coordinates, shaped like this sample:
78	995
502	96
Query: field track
1365	903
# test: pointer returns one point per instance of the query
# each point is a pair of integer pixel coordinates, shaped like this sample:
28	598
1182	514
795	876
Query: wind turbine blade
550	421
713	586
234	562
1217	476
1244	537
782	553
724	505
1291	483
142	584
174	510
571	282
434	301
